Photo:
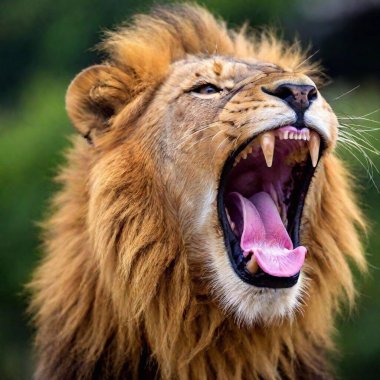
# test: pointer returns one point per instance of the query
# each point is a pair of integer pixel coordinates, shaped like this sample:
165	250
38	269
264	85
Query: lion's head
206	207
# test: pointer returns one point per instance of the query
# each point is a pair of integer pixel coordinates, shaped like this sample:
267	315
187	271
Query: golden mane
114	296
148	46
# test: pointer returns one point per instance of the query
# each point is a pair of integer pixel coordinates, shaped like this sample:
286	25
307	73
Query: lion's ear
95	96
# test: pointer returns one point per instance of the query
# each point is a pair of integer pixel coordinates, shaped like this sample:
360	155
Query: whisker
203	128
362	117
217	133
368	168
350	140
360	128
346	93
366	119
219	146
362	134
354	144
366	144
372	112
186	137
199	141
354	136
361	150
236	140
307	59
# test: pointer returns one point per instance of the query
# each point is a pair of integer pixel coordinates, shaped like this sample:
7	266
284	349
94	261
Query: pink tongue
263	233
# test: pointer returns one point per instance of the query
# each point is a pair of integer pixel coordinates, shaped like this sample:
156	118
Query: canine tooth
286	135
252	265
237	160
244	155
314	144
232	224
267	142
228	215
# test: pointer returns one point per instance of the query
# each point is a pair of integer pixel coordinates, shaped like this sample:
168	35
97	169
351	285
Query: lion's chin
249	305
260	203
269	306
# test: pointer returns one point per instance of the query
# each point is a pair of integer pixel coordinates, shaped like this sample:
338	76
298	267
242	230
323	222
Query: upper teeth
267	142
314	144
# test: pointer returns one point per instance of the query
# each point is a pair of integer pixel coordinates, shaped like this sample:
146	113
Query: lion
205	227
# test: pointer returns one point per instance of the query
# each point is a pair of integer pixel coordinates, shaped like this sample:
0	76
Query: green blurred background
43	44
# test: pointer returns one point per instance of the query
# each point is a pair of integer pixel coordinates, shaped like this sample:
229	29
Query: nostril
312	95
283	92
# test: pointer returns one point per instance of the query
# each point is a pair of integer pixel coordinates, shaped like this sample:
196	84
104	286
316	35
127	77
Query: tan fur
132	281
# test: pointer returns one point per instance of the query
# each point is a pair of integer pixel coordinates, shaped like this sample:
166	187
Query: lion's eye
207	89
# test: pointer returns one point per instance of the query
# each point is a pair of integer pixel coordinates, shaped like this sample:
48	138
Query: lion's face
235	145
241	143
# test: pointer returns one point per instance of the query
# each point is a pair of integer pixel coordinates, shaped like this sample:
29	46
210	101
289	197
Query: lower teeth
252	265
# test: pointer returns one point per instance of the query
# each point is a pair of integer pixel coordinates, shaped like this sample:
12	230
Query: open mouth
260	201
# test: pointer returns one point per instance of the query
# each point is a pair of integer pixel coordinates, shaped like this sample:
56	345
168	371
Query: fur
135	281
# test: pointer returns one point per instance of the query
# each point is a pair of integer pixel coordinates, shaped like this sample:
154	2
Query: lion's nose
298	96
